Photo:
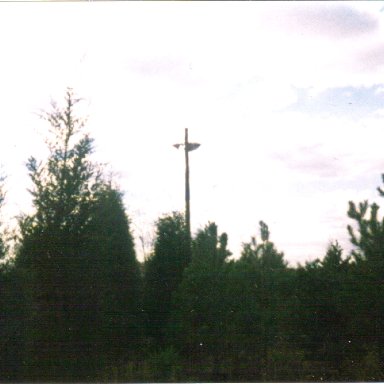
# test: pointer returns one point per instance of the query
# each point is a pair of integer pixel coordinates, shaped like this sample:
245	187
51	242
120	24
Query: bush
161	366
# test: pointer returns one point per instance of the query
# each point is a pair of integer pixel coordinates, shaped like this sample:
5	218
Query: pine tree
199	318
50	241
321	313
113	279
77	254
267	272
11	304
163	272
369	259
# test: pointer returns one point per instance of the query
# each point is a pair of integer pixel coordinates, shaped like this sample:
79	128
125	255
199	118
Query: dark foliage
163	273
75	304
76	261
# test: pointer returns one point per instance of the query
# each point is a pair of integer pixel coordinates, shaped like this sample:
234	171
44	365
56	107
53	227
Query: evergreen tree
113	279
267	272
3	246
163	272
333	259
199	320
321	314
70	250
369	259
50	244
11	302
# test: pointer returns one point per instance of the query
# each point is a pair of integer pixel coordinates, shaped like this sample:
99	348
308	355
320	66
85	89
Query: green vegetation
76	305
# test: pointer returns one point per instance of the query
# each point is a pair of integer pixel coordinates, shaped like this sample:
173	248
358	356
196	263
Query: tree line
77	305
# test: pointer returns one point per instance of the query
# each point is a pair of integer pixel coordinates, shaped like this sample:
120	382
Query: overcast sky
286	99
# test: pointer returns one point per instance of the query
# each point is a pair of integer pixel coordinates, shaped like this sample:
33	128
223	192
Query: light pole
187	148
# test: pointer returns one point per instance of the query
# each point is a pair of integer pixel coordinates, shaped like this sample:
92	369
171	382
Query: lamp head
192	146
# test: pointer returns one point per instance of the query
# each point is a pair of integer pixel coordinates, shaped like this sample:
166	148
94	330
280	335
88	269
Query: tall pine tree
71	249
369	258
163	272
201	308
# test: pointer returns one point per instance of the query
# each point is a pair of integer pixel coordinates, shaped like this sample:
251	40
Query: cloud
370	58
309	160
351	102
331	20
174	69
256	96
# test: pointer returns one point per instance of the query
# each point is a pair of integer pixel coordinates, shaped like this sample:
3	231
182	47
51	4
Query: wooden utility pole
187	148
187	193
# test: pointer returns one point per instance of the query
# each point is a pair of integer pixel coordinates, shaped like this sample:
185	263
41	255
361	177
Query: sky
285	98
